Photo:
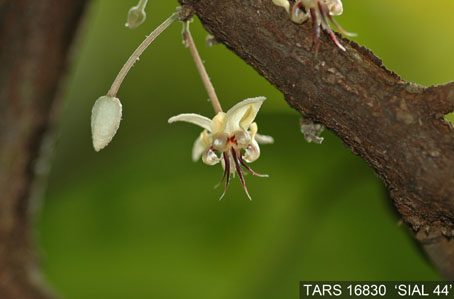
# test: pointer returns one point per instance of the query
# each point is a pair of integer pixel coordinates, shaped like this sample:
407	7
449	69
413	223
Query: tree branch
35	37
397	127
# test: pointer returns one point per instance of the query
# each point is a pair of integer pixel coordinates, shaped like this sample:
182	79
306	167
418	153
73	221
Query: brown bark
34	41
397	127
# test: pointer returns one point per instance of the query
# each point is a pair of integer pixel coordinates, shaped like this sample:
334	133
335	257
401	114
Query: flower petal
335	7
253	128
242	114
252	152
200	145
264	139
209	157
283	3
218	123
193	118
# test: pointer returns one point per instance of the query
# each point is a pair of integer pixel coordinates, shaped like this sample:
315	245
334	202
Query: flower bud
136	16
105	120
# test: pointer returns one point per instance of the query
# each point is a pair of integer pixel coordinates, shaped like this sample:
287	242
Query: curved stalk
201	68
135	56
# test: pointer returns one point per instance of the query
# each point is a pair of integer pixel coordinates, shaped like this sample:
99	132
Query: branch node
185	12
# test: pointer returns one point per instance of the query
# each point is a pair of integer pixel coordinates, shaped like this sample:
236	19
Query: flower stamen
248	168
226	173
239	171
323	9
336	24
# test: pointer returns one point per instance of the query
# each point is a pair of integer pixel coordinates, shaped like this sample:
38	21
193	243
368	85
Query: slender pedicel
142	4
201	68
135	56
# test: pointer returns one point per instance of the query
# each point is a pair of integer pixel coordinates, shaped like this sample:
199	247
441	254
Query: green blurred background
141	220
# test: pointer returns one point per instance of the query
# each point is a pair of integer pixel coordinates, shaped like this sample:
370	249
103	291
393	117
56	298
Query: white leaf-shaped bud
105	120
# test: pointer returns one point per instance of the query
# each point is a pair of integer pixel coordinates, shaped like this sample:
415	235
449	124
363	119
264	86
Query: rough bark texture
397	127
34	42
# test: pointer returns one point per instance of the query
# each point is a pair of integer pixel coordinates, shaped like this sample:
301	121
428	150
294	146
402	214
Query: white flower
321	12
105	120
229	137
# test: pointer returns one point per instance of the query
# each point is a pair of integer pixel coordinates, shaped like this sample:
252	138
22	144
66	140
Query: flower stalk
135	56
142	4
188	40
107	111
